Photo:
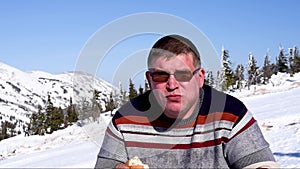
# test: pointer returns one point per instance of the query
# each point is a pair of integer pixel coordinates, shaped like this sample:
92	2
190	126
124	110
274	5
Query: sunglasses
180	76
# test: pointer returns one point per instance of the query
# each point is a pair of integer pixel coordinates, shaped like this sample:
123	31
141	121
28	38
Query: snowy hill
276	108
22	92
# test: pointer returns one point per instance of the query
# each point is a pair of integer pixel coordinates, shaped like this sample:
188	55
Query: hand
121	166
124	166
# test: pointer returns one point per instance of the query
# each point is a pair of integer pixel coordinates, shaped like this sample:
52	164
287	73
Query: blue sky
49	35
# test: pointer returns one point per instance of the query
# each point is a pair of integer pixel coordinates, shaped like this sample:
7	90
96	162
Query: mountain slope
283	135
22	92
276	110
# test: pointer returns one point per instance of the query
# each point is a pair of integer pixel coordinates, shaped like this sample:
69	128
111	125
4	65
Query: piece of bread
136	163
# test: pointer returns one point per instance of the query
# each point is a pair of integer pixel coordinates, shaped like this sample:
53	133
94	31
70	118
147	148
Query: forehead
177	62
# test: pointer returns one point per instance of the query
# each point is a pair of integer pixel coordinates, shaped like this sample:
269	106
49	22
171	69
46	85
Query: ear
148	77
201	75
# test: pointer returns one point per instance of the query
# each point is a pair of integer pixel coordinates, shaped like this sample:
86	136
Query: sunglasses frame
151	73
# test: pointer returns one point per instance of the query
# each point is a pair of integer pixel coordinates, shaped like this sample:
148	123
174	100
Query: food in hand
136	163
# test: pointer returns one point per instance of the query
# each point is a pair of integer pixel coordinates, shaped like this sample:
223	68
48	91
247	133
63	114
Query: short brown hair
173	45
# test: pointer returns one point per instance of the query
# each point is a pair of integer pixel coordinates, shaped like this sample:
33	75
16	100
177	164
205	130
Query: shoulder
216	102
137	105
140	109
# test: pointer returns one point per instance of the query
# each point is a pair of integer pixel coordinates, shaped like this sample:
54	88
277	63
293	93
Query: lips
174	98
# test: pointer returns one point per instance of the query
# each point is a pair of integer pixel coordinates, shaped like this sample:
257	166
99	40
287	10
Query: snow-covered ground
275	106
21	93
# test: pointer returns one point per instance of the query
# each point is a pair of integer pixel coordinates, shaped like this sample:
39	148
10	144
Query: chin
172	113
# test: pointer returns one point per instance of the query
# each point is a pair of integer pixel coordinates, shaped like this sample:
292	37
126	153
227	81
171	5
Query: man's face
179	97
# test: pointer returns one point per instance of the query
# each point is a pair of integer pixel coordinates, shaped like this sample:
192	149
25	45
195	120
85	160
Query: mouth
174	97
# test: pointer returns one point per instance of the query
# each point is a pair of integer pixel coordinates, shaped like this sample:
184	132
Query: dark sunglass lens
183	76
160	76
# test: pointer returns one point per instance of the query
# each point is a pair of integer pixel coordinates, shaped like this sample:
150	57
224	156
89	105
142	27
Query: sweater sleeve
246	144
113	150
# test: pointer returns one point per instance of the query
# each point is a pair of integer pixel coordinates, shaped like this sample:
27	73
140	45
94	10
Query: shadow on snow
287	154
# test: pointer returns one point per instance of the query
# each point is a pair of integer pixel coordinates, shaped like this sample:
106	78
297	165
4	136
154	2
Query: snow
72	147
275	106
22	92
279	118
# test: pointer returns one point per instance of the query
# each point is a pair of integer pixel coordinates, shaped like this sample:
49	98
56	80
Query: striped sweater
221	133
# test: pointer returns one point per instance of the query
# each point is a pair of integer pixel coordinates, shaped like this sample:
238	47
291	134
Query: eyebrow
176	70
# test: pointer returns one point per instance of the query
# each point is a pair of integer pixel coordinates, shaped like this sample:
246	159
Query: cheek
160	97
191	89
159	86
199	81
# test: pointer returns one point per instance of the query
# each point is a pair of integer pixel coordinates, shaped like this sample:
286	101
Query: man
182	123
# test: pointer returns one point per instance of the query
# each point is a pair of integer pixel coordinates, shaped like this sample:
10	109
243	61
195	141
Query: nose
172	83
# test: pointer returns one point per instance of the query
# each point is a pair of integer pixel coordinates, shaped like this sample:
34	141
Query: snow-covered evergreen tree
37	123
252	70
210	79
33	125
84	109
72	115
219	80
226	70
267	69
7	130
291	61
282	62
40	121
54	117
96	108
132	90
146	86
57	119
123	98
141	90
49	115
239	76
110	104
296	60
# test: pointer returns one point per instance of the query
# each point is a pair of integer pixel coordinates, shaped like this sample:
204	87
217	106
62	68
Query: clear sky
49	35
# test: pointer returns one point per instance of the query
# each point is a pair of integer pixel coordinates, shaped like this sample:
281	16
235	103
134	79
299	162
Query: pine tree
219	81
54	117
48	118
296	60
96	108
226	70
282	62
37	122
111	104
33	124
72	115
141	90
267	69
252	71
132	90
291	62
146	86
1	131
40	121
4	127
83	109
8	130
12	128
123	97
239	76
57	119
210	79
